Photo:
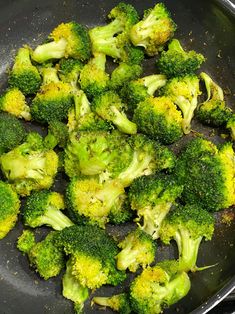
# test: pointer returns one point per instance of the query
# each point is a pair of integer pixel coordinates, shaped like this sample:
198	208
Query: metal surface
206	26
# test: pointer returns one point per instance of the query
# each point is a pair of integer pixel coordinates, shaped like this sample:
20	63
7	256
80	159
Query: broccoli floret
13	101
154	30
207	174
121	213
26	241
113	39
119	303
69	71
124	73
109	106
92	201
12	132
9	209
44	208
158	287
137	91
159	118
24	75
231	126
93	78
187	225
184	92
152	197
53	100
57	135
92	254
148	157
30	166
138	249
68	40
177	62
73	289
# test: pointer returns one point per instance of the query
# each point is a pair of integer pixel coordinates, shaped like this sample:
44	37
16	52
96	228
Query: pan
207	27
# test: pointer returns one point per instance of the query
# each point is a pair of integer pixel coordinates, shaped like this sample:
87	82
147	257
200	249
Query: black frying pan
206	26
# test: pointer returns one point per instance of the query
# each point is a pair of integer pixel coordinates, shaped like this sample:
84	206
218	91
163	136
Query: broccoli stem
188	109
22	58
52	50
214	91
99	60
82	105
110	193
126	257
56	219
49	76
175	45
154	82
122	122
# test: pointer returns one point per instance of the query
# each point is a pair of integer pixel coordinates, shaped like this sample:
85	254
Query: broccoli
113	39
159	118
138	249
187	225
137	91
176	62
45	256
73	290
110	107
152	197
57	135
68	40
9	209
121	212
123	73
207	173
154	30
148	157
231	126
13	101
30	166
119	303
158	287
24	75
53	100
92	254
93	78
184	92
12	132
44	208
92	201
69	71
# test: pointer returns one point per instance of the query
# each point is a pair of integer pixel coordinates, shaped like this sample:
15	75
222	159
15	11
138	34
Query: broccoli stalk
49	75
119	303
214	91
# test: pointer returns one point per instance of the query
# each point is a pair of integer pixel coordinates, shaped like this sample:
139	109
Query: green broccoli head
158	287
231	126
57	135
92	254
187	225
119	303
24	75
68	40
121	212
109	106
154	30
9	209
152	197
26	241
12	132
30	166
69	71
13	101
138	249
184	92
159	118
44	208
177	62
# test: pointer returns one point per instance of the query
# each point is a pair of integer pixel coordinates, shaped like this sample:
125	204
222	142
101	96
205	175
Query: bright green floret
68	40
152	198
57	135
13	101
184	92
44	208
24	75
26	241
30	166
119	303
154	30
12	132
138	249
187	225
109	106
158	287
69	71
177	62
9	208
159	119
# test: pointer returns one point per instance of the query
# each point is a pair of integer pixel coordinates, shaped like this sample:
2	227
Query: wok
206	26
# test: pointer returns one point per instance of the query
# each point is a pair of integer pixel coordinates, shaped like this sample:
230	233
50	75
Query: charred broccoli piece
119	303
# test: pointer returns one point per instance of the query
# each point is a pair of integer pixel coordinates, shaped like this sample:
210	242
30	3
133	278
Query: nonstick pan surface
206	26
